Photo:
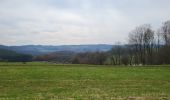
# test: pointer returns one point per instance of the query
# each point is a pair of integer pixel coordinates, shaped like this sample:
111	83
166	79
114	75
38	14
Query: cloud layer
57	22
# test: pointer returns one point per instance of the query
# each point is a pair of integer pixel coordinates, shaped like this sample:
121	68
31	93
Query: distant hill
8	55
43	49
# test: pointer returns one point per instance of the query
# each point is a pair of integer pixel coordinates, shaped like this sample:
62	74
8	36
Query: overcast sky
64	22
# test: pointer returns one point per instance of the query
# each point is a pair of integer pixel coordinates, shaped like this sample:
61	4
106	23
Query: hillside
8	55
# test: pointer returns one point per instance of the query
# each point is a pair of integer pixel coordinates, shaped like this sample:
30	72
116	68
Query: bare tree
116	53
142	39
148	45
165	50
158	40
166	32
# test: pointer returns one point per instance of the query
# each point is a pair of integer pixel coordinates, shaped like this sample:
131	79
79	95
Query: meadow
47	81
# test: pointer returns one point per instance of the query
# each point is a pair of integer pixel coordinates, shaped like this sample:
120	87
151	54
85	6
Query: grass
43	81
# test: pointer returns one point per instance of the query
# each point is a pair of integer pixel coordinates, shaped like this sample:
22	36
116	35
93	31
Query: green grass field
43	81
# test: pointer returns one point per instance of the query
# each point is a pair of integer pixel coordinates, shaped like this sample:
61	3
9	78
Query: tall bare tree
165	50
142	39
166	32
148	45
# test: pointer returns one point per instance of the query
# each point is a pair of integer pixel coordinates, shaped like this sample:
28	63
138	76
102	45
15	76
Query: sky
74	22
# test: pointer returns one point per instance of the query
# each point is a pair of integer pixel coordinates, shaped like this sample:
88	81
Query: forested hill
43	49
8	55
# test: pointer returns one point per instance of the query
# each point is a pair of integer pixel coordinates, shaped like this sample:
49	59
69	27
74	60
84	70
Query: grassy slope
45	81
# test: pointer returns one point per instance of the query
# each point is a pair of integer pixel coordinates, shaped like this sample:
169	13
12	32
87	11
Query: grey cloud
76	21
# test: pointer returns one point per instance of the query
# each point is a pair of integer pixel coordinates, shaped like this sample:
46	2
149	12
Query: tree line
145	47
